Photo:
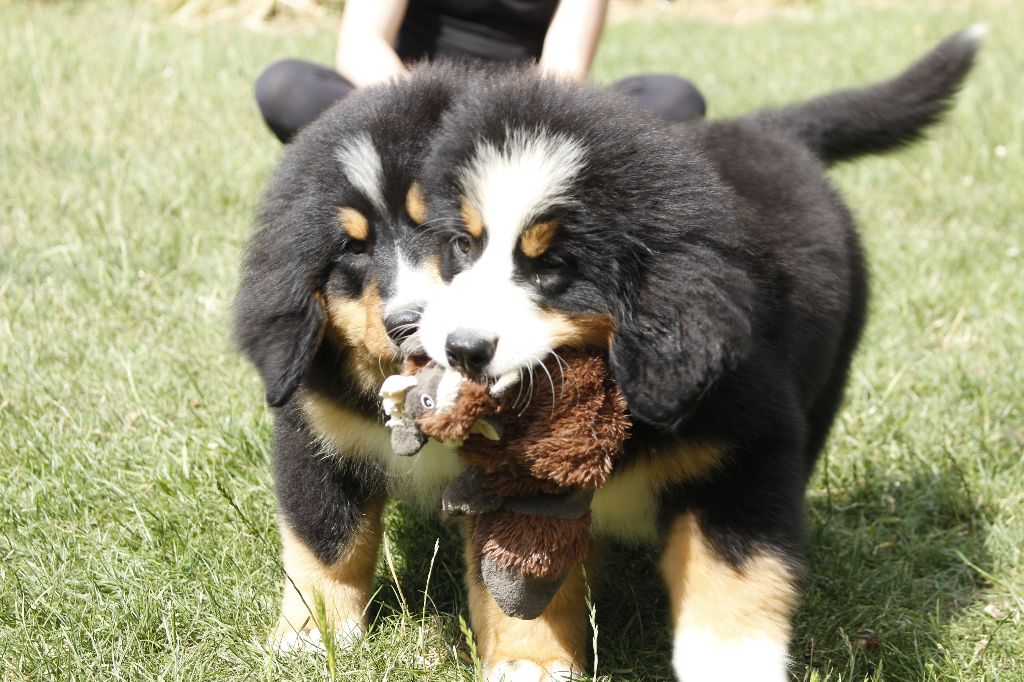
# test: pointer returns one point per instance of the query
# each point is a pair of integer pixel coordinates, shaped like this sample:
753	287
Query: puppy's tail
850	123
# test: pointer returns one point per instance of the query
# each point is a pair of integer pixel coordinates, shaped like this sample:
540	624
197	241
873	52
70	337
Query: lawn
137	521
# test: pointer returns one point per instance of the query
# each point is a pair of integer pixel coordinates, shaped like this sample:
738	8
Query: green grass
137	534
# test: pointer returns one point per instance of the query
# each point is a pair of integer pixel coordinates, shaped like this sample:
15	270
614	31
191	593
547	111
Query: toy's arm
467	495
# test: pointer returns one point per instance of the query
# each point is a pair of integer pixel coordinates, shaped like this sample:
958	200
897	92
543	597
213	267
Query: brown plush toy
534	462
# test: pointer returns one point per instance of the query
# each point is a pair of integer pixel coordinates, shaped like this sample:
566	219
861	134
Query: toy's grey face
422	398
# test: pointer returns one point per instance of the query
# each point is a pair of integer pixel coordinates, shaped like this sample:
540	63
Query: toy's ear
688	323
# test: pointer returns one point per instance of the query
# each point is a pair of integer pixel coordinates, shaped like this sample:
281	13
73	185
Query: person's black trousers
293	93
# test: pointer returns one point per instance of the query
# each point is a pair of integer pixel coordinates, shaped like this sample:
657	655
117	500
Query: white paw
346	636
529	671
701	657
304	641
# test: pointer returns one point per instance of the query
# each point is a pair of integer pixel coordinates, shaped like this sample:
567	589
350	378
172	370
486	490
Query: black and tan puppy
721	270
335	275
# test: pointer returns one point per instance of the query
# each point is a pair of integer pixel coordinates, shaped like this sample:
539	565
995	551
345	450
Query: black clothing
490	30
292	93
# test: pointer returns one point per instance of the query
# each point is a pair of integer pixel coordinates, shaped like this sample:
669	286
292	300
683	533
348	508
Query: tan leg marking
555	641
728	621
345	586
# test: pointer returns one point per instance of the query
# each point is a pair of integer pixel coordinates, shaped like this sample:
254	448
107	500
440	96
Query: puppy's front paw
529	671
288	640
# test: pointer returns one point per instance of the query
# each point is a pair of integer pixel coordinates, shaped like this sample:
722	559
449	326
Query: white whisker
551	381
519	393
529	395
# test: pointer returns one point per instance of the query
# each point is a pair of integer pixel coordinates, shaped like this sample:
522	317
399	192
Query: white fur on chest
626	508
417	480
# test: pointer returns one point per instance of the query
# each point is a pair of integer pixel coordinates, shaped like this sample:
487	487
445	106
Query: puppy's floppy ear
279	320
689	322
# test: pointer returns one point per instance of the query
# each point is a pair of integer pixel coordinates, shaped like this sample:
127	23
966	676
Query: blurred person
379	38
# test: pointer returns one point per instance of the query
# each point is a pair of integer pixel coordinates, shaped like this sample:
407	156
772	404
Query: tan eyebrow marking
415	204
471	216
538	237
354	223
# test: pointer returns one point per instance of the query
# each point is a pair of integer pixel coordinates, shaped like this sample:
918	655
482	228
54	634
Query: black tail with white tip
850	123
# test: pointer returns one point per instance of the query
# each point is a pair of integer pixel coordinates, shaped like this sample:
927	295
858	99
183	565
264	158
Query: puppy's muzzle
401	324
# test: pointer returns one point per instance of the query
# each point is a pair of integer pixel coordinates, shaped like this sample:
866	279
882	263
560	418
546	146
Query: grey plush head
422	398
406	437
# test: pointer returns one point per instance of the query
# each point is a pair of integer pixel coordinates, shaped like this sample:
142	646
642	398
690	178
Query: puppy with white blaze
721	272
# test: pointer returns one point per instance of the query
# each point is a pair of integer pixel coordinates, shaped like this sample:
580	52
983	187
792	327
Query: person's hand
368	30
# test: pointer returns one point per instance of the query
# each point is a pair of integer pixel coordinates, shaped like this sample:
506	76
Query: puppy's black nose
401	324
469	350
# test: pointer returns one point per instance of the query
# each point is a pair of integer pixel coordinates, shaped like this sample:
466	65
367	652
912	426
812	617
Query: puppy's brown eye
463	245
356	246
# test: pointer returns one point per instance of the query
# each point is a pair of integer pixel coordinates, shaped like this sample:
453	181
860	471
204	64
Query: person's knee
667	96
690	103
273	85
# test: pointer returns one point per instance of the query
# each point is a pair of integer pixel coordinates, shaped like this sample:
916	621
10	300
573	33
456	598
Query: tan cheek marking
536	239
353	223
583	332
377	339
415	204
348	322
471	216
708	594
556	638
358	325
345	586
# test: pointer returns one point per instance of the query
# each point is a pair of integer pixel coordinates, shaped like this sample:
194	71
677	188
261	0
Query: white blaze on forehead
361	164
512	183
414	285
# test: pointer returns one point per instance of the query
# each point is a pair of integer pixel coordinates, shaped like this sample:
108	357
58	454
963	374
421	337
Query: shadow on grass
889	568
412	538
634	640
634	629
